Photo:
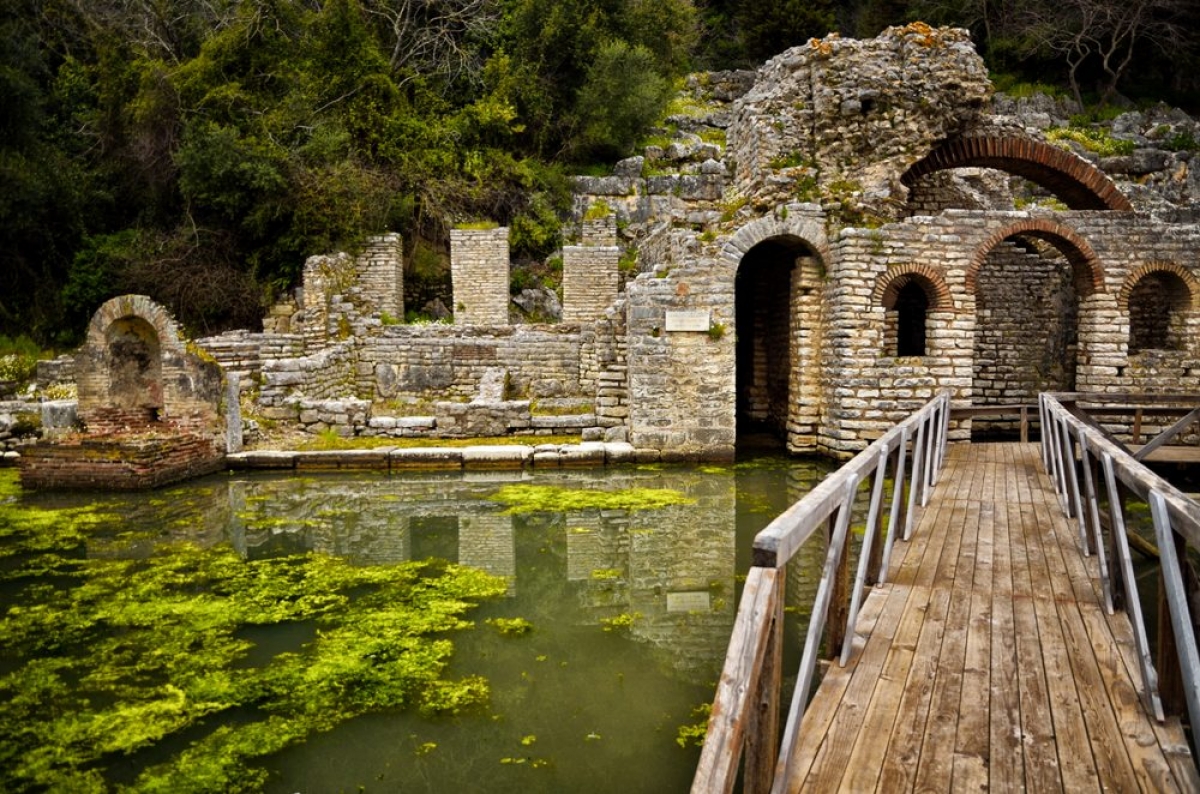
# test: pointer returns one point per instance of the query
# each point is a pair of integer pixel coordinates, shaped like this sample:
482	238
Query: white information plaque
687	321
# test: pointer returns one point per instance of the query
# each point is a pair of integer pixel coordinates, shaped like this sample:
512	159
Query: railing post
762	737
916	485
868	552
839	601
1178	675
898	513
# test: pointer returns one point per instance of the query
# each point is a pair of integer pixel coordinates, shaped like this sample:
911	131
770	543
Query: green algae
554	499
138	650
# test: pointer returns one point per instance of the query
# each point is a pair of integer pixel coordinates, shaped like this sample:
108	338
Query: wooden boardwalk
987	663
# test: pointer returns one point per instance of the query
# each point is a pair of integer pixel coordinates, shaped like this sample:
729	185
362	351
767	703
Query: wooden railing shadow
746	709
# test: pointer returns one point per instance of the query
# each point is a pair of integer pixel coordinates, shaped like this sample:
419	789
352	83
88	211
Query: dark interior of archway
912	304
764	344
1026	328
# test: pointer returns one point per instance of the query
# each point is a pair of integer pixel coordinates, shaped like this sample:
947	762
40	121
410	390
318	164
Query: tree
1102	34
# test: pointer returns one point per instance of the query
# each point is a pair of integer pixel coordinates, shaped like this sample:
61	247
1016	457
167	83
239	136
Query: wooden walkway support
988	655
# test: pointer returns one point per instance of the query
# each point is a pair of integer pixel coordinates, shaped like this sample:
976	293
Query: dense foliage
199	150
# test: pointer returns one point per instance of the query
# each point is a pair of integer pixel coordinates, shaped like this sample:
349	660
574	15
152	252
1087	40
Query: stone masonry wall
479	266
1017	292
381	274
433	362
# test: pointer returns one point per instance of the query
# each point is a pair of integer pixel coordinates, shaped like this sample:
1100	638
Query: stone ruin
823	245
151	410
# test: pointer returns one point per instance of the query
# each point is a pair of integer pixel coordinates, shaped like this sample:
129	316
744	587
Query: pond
261	632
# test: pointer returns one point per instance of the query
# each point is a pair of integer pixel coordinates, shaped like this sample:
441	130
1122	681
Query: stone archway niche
152	410
134	361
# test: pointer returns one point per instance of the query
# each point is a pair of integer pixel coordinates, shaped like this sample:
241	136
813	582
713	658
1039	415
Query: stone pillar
590	281
804	413
479	272
381	274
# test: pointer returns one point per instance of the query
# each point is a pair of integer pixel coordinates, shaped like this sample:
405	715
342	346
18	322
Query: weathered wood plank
717	770
992	664
1006	760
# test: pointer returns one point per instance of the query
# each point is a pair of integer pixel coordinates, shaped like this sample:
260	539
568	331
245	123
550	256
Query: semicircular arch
808	231
1072	179
1089	273
889	283
1137	274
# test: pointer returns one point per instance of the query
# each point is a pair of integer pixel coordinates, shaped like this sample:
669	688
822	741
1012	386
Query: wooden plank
838	745
1006	767
1040	754
904	752
1070	732
972	750
717	769
935	769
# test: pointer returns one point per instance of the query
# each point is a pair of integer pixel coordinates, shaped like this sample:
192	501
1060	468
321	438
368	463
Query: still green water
608	632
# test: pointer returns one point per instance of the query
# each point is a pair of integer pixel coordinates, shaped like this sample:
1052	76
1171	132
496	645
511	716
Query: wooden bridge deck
988	662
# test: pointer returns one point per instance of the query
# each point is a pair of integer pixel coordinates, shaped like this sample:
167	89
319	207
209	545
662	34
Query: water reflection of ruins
673	572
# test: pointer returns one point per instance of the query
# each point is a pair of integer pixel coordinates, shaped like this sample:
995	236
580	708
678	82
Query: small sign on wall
687	321
696	601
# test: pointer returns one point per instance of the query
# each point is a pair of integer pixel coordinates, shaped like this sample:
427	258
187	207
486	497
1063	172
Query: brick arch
124	307
1140	272
806	230
1069	177
889	284
1089	273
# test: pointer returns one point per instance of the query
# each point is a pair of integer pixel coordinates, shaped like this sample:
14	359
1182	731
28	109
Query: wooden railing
1088	466
745	713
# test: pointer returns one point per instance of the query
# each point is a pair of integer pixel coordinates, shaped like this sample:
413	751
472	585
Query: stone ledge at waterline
517	456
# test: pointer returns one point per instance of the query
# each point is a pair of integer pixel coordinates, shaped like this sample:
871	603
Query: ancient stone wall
325	375
841	118
440	362
479	271
682	380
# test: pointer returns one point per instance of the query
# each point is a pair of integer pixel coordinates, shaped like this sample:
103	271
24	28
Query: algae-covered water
492	632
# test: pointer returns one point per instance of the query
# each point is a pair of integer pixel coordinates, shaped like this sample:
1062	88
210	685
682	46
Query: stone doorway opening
776	303
1028	291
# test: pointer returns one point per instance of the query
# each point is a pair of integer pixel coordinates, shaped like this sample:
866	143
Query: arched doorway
1029	283
777	309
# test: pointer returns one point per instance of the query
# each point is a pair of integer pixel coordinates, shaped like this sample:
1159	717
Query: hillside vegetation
199	150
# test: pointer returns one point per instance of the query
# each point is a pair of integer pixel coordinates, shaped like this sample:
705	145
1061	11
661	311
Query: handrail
1080	457
745	708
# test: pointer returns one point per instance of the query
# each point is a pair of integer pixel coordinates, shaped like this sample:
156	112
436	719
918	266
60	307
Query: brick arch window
908	295
1159	302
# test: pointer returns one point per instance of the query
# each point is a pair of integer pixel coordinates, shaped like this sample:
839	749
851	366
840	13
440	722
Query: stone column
804	414
479	272
381	274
